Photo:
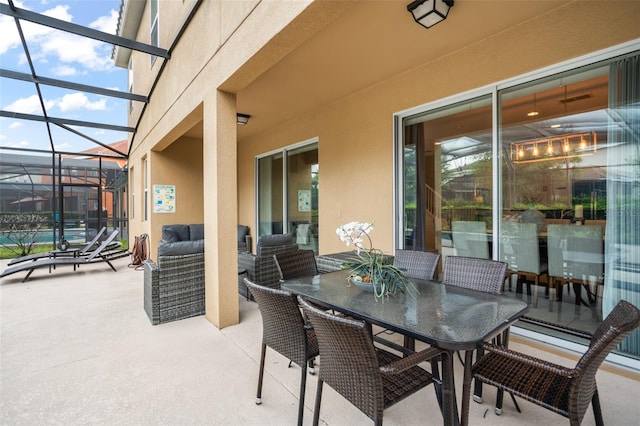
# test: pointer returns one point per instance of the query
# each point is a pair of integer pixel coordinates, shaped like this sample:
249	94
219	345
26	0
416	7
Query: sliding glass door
287	197
447	189
550	184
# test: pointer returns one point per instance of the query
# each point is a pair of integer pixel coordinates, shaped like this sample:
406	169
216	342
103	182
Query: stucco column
220	209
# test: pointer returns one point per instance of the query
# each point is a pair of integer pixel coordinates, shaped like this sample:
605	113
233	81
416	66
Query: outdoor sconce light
242	119
429	12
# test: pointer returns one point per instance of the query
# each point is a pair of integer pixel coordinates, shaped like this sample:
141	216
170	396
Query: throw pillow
175	233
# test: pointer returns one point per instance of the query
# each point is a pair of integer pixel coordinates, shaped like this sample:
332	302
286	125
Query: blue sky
62	56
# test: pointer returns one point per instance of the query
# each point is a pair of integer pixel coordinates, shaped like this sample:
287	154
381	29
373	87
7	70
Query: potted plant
370	267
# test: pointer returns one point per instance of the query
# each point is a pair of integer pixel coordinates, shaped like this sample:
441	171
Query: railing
433	201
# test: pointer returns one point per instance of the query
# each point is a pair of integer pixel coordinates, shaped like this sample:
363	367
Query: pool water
73	235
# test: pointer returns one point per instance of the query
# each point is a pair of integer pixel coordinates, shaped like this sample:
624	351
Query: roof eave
131	12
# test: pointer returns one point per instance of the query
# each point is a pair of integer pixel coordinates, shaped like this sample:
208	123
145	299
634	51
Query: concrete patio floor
77	348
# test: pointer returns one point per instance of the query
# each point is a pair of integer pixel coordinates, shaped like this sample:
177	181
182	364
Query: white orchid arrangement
370	265
352	232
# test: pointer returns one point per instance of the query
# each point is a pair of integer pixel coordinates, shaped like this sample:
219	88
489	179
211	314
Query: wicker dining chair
417	264
474	273
482	275
563	390
295	264
370	378
285	331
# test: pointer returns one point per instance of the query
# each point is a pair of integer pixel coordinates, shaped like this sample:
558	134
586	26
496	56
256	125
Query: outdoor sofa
174	283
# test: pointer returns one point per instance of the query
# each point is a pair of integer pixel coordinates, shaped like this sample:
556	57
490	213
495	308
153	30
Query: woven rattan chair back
295	264
352	366
563	390
417	264
622	320
285	331
474	273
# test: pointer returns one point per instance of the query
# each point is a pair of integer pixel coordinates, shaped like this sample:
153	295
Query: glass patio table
444	316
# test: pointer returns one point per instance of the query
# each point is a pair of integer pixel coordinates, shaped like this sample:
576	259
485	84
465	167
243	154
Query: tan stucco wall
222	49
180	165
356	135
219	41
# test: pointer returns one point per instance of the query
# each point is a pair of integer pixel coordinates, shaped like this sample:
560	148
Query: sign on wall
304	200
164	198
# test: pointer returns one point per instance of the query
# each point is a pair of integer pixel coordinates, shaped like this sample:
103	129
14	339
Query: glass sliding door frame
537	81
288	223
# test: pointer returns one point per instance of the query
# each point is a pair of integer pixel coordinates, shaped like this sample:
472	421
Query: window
549	185
287	197
132	202
154	36
145	177
130	81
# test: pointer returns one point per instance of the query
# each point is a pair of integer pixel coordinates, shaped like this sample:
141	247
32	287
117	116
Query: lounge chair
100	254
67	253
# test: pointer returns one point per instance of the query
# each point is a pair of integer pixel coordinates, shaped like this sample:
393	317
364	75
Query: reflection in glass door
564	182
287	196
302	196
447	163
270	214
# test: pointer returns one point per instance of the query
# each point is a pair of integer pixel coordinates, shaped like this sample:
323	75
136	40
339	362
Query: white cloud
59	12
64	70
85	51
29	105
76	101
66	47
15	125
21	144
107	24
62	146
10	37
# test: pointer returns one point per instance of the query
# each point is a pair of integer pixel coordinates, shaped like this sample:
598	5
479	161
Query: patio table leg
449	404
466	387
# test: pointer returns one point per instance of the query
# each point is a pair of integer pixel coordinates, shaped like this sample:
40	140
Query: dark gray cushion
275	240
196	232
174	233
243	230
181	247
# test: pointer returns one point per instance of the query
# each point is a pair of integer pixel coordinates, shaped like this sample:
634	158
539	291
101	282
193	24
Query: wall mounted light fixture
242	119
429	12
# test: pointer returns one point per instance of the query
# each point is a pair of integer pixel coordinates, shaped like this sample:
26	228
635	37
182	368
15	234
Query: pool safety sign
164	198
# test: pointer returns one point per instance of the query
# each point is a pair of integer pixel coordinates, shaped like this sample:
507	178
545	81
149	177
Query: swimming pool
45	236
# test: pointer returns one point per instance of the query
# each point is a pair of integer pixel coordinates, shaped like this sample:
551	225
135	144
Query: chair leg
477	390
503	340
260	374
437	382
303	387
316	409
597	411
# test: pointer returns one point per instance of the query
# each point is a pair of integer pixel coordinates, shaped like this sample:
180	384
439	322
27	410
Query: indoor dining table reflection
444	316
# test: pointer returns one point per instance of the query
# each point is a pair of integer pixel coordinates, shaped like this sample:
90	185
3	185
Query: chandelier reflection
554	148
